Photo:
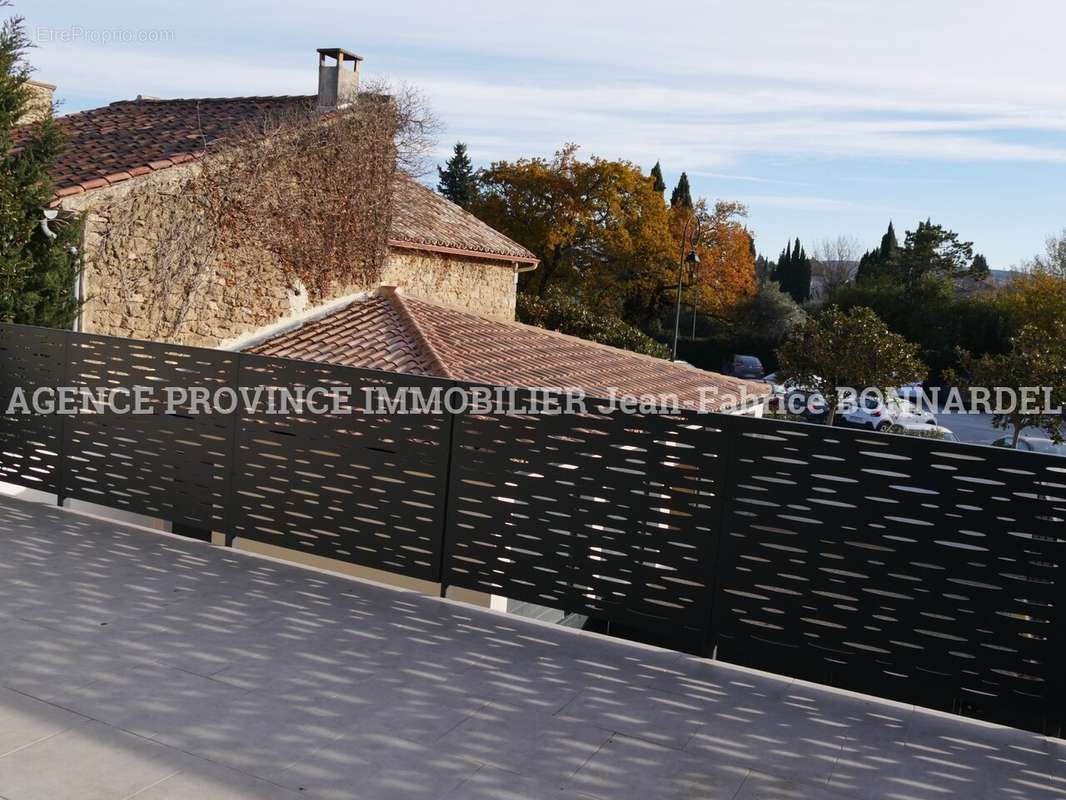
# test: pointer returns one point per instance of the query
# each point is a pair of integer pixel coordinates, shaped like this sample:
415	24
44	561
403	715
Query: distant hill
1002	276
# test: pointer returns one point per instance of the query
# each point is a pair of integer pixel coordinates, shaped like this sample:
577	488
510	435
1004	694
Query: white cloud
704	84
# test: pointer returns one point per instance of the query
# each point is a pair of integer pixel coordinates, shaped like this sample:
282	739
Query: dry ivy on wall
303	203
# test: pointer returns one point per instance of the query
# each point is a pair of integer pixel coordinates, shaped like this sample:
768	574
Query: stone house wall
130	293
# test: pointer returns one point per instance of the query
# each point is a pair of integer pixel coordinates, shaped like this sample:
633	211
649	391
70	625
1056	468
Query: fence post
229	511
443	557
712	569
61	469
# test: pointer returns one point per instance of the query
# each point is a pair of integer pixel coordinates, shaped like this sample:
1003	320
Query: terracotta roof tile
371	334
130	138
435	340
422	216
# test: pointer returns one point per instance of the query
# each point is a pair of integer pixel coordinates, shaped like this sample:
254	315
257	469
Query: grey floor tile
25	720
90	762
529	743
203	780
659	717
632	768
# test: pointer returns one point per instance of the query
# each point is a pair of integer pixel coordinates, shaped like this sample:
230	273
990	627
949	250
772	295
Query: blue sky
827	117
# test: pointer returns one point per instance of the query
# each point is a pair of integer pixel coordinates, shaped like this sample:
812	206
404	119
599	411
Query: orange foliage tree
726	273
605	235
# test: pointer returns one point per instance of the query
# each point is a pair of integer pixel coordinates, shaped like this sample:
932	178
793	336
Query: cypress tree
39	263
682	195
657	174
793	272
457	181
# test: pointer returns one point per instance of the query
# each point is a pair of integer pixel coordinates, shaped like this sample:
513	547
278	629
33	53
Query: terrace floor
140	665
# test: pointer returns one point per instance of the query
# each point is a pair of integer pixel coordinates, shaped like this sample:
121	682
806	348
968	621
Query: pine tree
979	268
39	264
657	174
682	195
457	181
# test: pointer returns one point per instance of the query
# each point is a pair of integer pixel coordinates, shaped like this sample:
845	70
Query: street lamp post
692	259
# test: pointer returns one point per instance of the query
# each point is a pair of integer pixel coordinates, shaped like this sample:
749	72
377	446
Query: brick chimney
40	102
338	78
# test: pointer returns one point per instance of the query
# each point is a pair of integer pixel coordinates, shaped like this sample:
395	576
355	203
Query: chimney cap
339	53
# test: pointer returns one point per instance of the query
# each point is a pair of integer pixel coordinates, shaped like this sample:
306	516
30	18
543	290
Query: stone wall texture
147	275
40	102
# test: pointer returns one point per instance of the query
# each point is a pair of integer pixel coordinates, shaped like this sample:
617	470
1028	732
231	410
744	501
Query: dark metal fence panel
902	567
168	464
607	514
362	488
30	445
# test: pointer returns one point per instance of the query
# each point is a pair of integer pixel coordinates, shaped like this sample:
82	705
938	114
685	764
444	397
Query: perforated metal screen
909	568
608	514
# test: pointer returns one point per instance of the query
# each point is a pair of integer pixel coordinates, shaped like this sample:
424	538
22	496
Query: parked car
923	430
811	406
911	391
748	367
877	415
1033	444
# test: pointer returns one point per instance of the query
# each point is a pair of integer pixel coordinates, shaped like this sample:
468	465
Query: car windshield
1046	446
747	361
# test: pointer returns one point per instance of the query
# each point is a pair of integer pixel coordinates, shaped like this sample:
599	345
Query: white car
924	430
1033	444
877	415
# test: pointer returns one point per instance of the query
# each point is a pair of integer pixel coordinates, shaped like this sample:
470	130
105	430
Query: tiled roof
446	342
129	138
421	216
133	137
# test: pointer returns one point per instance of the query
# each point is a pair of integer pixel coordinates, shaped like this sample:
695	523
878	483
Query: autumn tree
1035	373
599	227
725	275
681	197
39	261
1037	298
853	349
1053	259
456	180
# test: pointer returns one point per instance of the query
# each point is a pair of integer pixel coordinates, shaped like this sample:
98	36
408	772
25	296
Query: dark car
748	367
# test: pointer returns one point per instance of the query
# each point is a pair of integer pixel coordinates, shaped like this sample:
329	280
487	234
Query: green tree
566	314
979	267
39	264
457	181
853	349
657	174
932	249
769	310
793	272
1035	372
881	262
681	197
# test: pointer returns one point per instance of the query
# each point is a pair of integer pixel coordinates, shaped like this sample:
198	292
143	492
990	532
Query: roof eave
458	251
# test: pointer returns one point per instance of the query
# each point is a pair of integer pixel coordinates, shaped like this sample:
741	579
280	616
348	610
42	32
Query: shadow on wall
134	663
